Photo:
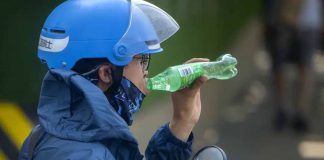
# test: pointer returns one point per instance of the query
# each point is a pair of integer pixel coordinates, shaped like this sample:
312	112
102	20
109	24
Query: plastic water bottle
178	77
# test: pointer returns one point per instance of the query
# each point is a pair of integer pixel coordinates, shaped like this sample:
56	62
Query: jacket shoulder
55	148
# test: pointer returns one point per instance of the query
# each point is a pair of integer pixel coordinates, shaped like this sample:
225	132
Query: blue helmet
112	29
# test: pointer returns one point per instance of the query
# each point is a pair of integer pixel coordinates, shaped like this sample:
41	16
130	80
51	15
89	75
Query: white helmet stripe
52	45
154	46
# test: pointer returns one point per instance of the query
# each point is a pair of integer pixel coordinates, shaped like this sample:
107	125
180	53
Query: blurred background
273	109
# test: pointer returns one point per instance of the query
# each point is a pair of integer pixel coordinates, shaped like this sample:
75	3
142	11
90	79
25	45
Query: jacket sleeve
164	146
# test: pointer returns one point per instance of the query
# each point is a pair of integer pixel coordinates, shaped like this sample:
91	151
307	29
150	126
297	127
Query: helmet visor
164	25
148	27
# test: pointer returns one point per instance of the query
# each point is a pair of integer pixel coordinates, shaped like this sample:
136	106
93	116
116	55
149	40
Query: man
292	29
98	53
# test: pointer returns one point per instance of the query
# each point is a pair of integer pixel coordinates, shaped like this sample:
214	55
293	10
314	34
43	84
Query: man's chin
146	92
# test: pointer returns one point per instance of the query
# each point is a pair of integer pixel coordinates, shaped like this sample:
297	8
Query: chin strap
117	75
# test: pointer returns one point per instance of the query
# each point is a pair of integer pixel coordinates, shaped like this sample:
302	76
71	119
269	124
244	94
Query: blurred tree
20	70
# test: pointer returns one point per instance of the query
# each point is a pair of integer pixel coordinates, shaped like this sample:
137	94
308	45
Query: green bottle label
189	73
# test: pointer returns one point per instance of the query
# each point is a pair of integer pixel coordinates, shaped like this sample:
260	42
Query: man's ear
105	77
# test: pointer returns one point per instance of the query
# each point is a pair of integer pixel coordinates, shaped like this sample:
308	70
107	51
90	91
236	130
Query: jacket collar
71	107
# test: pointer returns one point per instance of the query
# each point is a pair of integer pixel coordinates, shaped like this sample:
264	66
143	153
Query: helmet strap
117	75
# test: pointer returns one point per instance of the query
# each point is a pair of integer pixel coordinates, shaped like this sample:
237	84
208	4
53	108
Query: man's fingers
197	60
199	82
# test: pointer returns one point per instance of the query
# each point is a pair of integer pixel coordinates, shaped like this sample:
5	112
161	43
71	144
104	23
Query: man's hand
187	106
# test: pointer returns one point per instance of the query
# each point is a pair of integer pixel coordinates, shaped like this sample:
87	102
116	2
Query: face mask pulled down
125	97
126	100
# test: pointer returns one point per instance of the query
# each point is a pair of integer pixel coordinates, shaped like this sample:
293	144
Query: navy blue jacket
80	123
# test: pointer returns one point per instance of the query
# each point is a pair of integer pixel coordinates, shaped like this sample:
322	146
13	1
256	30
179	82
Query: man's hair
87	64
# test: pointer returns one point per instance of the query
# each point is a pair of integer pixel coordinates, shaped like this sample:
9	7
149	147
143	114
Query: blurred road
236	114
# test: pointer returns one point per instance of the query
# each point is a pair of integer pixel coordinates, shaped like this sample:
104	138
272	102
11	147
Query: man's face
136	73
